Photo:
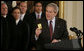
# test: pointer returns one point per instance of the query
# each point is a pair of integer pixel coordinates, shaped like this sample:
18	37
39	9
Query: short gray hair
56	9
3	3
23	1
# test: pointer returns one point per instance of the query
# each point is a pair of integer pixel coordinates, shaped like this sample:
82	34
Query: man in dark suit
36	15
24	14
5	32
53	28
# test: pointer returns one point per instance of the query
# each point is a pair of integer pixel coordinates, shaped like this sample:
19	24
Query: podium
64	45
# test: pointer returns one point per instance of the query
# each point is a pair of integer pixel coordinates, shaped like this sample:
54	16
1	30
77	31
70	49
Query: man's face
50	14
38	7
23	7
4	9
16	14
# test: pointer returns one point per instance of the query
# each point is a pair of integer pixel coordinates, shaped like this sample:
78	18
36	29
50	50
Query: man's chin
38	11
48	19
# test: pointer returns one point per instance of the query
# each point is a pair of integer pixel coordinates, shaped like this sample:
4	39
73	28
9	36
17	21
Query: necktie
51	30
38	16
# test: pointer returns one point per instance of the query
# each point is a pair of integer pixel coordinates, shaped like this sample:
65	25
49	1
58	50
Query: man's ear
55	13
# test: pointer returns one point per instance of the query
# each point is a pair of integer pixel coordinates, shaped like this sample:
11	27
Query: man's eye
50	12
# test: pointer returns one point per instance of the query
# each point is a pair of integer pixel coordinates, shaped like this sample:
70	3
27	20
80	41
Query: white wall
73	14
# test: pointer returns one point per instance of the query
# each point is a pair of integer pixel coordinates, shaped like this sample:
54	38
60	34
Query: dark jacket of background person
33	23
5	32
20	36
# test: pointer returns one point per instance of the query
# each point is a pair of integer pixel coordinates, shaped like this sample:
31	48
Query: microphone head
73	29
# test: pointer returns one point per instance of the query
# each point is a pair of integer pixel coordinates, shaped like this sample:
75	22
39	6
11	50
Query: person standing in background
24	15
5	32
20	34
35	17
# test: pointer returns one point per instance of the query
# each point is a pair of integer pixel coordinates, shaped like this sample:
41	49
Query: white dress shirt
53	23
38	14
17	21
22	16
4	16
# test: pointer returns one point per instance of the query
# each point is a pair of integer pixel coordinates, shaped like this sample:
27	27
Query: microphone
74	29
78	33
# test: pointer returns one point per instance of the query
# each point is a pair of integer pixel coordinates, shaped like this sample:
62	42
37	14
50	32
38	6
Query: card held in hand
39	26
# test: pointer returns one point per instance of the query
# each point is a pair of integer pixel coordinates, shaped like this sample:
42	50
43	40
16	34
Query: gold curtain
61	9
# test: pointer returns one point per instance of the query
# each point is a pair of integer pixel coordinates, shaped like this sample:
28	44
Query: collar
53	20
22	16
4	16
38	14
17	21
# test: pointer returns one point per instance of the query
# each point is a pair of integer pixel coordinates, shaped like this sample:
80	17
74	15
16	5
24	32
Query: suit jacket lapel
25	17
47	25
56	25
47	28
34	16
41	15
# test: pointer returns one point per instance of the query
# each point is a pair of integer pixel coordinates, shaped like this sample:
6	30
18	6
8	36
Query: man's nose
22	7
48	13
4	9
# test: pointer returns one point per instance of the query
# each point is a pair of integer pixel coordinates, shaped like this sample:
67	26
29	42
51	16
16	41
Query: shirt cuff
36	38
